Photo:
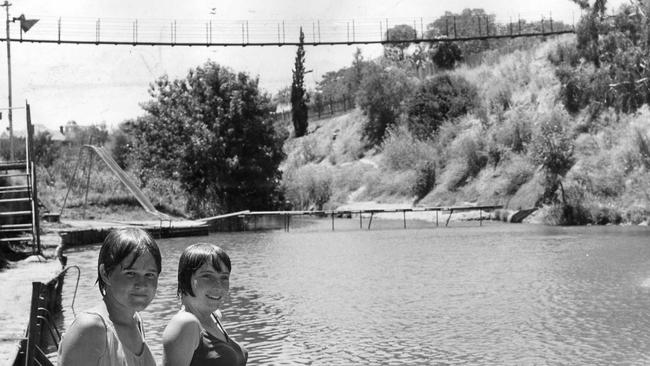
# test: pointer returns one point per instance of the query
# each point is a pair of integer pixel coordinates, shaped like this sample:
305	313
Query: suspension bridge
243	33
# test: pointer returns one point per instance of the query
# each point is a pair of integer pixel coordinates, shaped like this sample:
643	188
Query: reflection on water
497	294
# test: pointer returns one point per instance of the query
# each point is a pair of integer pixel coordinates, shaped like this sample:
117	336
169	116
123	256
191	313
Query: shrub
552	148
401	151
398	184
518	171
425	180
308	187
564	53
440	98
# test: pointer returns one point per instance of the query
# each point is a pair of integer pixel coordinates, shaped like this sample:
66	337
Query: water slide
130	185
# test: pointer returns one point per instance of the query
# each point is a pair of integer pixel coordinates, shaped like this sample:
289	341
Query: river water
497	294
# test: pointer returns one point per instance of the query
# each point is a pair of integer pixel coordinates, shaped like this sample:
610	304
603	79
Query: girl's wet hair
193	257
119	244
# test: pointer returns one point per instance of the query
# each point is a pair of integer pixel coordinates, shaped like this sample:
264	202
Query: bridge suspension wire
214	32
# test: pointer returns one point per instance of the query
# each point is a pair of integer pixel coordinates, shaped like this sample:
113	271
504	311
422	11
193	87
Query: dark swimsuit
212	351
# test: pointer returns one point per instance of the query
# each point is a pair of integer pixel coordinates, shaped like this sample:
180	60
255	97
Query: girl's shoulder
90	323
181	324
85	339
186	318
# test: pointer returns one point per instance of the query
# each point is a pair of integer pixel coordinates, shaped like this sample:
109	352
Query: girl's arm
84	343
180	339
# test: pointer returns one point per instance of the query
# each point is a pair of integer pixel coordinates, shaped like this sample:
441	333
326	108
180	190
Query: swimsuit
115	354
213	351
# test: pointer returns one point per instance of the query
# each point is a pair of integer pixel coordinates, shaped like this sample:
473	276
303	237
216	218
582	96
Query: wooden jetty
286	216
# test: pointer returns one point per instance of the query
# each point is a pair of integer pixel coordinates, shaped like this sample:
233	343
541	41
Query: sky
107	83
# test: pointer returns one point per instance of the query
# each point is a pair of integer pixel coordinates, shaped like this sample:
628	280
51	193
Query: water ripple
491	295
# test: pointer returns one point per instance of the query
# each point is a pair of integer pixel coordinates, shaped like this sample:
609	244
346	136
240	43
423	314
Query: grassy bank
485	156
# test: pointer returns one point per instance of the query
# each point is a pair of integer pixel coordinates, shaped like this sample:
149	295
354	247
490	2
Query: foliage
308	186
95	134
425	180
402	151
394	49
46	151
447	55
464	24
382	92
18	145
212	131
282	96
121	143
552	148
440	98
618	48
299	98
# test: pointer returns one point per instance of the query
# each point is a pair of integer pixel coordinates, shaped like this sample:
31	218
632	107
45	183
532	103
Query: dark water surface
498	294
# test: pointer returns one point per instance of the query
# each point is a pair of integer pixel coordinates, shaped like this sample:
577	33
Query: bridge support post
449	217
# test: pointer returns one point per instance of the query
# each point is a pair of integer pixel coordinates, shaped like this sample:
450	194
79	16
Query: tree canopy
212	131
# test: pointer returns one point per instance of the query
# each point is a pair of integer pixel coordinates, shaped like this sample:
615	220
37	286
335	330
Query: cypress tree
298	92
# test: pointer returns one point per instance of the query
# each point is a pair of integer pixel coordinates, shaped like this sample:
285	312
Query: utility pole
10	111
25	25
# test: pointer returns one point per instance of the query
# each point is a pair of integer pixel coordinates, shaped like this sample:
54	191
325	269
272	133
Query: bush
552	148
425	180
308	187
381	185
401	151
518	171
438	99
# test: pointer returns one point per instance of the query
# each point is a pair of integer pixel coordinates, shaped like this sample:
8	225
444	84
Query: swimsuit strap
216	319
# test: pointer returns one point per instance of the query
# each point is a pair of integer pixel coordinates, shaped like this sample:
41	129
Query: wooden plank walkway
286	215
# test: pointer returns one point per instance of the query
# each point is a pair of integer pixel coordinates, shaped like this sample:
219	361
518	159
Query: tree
616	49
358	65
299	110
401	32
446	55
380	97
213	132
46	151
467	23
437	100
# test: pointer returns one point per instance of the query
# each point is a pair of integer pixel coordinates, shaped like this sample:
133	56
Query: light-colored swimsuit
115	354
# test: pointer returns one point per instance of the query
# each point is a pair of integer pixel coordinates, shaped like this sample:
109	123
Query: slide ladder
19	217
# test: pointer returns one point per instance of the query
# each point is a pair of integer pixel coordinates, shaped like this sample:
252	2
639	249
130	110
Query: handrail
76	285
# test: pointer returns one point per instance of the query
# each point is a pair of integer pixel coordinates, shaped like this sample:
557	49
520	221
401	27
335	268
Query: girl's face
133	286
210	287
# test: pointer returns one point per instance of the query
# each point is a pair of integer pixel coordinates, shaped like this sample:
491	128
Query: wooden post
447	27
480	217
455	35
404	214
36	233
360	219
449	217
436	218
370	222
90	167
